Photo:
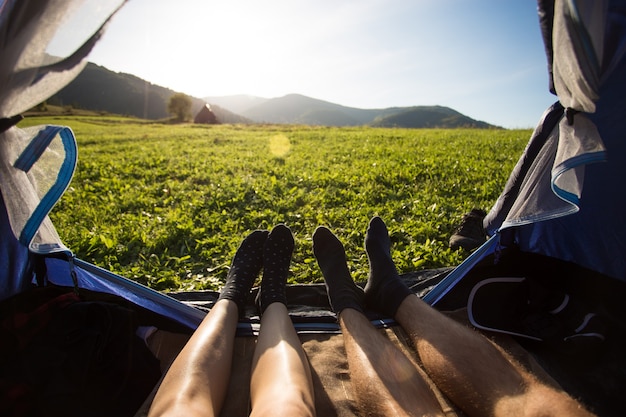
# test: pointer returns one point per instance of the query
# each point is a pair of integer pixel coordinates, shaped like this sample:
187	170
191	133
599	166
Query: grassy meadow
167	205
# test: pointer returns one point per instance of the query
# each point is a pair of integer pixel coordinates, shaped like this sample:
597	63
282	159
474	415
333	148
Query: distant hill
299	109
101	90
97	88
428	116
238	103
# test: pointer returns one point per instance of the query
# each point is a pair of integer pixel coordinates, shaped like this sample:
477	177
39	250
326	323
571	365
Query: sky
483	58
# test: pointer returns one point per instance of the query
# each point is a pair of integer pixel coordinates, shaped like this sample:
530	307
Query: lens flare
279	145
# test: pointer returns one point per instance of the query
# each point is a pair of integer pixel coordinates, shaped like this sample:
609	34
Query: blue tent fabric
585	225
75	272
15	258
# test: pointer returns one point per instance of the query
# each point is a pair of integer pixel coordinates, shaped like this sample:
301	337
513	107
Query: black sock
276	259
244	269
331	257
384	290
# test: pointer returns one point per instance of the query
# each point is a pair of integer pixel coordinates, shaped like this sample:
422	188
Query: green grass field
167	205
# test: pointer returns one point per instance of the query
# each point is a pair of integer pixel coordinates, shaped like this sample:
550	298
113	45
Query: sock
384	291
331	257
244	269
276	259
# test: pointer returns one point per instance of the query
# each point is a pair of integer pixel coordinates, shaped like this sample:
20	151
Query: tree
180	106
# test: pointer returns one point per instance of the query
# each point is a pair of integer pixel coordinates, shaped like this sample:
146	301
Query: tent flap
31	71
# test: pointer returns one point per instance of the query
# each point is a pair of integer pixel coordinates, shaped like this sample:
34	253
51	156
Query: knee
541	400
545	400
285	408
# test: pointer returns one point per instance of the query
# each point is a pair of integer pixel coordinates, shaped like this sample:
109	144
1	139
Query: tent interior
80	340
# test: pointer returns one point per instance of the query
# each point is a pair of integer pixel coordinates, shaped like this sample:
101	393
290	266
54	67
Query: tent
558	227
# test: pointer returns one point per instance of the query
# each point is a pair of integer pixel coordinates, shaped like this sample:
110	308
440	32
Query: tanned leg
281	383
197	380
385	381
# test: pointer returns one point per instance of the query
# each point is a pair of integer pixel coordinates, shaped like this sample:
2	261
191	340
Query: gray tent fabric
29	74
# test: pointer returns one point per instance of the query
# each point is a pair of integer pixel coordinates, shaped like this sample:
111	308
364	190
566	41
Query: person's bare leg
281	383
196	382
385	381
476	375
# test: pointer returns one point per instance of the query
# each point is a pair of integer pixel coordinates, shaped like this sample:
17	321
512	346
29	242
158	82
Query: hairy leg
386	382
281	383
479	377
197	380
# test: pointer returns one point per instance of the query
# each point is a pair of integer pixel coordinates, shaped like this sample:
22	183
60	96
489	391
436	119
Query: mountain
98	89
299	109
428	116
238	103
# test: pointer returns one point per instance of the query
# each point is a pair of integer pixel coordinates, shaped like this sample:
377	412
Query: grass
167	205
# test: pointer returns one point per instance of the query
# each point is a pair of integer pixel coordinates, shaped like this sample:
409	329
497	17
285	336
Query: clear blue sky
484	58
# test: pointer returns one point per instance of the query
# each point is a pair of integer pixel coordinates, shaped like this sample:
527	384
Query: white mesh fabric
578	40
579	144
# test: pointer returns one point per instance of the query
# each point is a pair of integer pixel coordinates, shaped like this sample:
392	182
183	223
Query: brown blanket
331	377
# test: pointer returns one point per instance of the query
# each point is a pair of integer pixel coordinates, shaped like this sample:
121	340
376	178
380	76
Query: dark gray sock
384	290
276	259
331	257
244	269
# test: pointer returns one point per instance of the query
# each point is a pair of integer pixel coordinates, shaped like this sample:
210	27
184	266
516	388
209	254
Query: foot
244	269
276	259
384	290
331	257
